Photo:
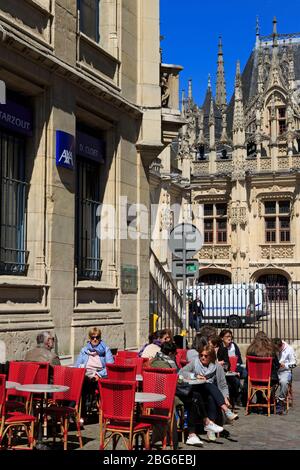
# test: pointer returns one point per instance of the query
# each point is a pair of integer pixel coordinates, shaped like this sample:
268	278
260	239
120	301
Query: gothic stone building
245	166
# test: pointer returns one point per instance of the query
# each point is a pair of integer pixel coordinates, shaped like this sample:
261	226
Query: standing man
43	351
287	360
196	313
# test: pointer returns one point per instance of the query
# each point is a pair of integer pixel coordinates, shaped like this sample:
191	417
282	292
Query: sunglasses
95	337
203	355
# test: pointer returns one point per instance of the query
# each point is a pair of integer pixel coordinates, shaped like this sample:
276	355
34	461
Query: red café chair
15	419
233	360
61	410
163	381
121	372
259	380
140	362
42	377
116	416
181	357
160	370
23	373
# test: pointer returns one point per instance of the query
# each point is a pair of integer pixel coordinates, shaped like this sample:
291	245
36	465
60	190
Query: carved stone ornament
238	215
271	252
166	218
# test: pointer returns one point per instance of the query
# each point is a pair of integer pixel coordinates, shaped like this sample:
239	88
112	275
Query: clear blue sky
191	29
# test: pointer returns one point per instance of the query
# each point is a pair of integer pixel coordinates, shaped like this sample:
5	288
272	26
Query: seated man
43	351
287	360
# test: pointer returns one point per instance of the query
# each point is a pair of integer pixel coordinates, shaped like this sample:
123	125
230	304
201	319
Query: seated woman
214	391
228	349
93	356
192	402
198	341
162	336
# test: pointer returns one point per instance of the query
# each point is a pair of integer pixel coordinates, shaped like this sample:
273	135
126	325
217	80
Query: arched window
215	278
277	286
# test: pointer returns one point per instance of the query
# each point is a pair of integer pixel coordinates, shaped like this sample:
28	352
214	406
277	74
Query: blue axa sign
65	150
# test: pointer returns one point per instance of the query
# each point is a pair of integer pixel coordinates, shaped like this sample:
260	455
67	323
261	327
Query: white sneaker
211	436
194	440
213	427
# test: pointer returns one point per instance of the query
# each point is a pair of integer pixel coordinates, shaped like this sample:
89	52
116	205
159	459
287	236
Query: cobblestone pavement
252	432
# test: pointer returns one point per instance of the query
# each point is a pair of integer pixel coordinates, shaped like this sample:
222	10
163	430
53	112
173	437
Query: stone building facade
81	124
245	166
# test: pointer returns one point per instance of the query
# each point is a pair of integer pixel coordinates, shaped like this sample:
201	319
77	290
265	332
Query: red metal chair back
180	356
42	375
259	368
127	354
72	377
160	370
139	362
163	383
233	360
121	372
117	399
23	373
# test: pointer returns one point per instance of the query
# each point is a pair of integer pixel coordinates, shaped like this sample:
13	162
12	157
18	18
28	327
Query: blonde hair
95	331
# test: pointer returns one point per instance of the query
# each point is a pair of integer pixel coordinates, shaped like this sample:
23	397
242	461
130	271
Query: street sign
191	269
185	237
184	242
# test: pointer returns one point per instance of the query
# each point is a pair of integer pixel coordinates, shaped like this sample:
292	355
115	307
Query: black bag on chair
183	390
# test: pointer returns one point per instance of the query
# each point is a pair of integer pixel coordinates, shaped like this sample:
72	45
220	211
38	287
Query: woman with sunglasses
93	356
214	391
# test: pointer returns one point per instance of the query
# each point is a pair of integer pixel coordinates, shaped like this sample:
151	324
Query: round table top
42	388
9	384
139	377
143	397
194	381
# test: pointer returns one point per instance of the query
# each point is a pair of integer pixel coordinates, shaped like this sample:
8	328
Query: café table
43	390
145	397
194	381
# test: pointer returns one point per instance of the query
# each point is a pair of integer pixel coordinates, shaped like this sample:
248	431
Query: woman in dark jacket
230	349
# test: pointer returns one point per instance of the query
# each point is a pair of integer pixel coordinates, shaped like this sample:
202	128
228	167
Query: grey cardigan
219	379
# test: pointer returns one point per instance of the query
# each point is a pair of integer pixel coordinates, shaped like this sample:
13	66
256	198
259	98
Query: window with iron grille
13	255
215	223
281	120
277	221
89	18
87	202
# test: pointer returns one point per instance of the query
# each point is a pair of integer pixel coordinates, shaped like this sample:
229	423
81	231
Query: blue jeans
196	322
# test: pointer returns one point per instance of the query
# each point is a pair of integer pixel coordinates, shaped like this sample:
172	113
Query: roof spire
209	82
238	113
182	101
190	92
221	86
275	35
257	25
257	32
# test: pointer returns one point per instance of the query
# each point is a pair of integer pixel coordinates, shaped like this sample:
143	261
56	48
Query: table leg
39	444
